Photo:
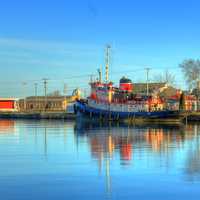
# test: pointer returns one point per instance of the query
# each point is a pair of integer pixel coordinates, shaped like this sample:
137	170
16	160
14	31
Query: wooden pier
190	116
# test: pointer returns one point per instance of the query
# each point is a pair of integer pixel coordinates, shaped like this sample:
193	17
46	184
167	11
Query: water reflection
7	126
109	154
167	142
105	139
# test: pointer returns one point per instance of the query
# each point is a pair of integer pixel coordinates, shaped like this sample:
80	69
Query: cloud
61	46
40	53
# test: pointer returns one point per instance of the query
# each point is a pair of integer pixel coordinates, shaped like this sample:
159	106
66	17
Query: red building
8	104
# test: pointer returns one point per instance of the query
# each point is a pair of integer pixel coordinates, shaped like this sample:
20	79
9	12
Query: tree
191	71
54	93
166	77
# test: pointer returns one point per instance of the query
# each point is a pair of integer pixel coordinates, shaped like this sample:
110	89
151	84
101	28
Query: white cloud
49	53
62	47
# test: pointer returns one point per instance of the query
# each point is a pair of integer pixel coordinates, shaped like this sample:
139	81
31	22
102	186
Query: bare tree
191	71
166	77
55	93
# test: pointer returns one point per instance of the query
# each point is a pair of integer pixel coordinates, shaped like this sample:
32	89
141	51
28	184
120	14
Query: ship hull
165	116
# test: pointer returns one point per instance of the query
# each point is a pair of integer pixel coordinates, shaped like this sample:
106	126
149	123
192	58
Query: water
68	160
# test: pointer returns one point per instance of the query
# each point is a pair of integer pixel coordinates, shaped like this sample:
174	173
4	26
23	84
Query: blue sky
60	39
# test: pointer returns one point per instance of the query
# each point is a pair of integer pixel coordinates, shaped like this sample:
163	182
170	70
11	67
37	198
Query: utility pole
36	106
24	88
36	85
65	89
147	79
45	86
107	62
45	92
85	93
91	78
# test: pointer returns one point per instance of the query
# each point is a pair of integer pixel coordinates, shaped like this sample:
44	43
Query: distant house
196	90
170	95
190	103
162	89
48	103
141	88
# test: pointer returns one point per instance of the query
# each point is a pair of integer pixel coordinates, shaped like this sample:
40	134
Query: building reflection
192	162
7	126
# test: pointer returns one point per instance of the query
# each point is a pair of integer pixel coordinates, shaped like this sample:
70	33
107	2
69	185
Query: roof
8	99
36	98
169	92
142	87
125	80
190	97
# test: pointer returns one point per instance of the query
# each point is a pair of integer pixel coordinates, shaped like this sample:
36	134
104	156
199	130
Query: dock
182	118
37	115
190	116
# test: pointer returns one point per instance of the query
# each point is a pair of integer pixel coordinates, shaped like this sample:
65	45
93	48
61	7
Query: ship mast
108	47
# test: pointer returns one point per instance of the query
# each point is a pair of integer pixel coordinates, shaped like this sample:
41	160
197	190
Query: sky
64	41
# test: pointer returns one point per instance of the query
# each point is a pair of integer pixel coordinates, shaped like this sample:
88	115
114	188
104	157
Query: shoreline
190	117
37	115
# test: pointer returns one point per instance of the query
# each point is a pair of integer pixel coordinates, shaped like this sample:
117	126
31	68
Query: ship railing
119	106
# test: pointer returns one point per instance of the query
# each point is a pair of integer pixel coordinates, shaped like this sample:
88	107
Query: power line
39	80
81	76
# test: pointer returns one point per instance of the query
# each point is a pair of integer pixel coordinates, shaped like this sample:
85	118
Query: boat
108	102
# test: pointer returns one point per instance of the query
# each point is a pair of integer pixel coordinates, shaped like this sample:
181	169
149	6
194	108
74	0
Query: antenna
108	47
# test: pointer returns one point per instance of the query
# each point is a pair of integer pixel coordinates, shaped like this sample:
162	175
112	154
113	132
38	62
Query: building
48	103
141	88
170	95
190	103
8	105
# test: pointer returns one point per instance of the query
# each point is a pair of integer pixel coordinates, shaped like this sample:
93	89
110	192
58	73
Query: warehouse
48	103
8	104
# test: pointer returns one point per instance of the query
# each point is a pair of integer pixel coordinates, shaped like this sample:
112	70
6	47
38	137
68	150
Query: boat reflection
105	139
109	142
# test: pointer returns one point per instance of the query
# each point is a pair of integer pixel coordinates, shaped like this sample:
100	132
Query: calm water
68	160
